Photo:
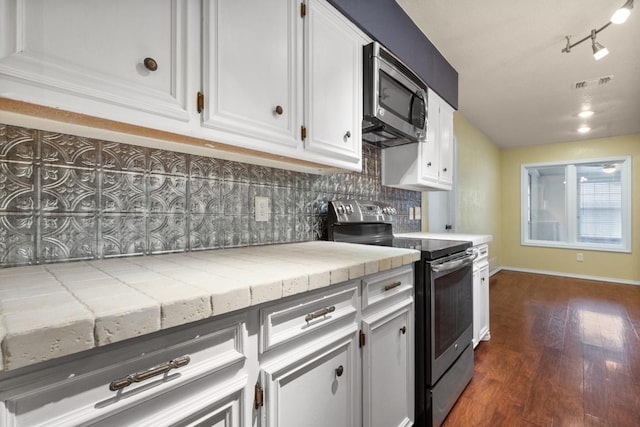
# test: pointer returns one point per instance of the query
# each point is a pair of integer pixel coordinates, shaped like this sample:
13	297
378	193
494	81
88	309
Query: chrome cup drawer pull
392	286
323	312
121	383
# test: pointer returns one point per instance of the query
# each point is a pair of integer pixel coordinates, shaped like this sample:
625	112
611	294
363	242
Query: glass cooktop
431	249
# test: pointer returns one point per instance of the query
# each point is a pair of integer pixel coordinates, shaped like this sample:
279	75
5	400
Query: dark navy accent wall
386	22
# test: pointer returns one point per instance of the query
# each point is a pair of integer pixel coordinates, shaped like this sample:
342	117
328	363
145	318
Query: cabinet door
333	85
388	368
429	165
483	333
477	315
88	56
252	71
316	388
445	156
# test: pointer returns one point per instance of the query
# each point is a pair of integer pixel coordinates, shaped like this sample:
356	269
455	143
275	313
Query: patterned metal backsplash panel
65	198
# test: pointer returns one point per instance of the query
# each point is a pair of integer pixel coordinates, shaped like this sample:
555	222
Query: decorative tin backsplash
65	198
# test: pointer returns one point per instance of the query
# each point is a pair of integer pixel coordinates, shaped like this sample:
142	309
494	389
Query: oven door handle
471	255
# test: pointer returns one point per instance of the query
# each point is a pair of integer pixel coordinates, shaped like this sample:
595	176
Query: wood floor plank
563	352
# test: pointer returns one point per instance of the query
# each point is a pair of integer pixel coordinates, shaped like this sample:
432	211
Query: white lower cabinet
314	387
388	353
358	372
388	369
481	331
176	378
340	356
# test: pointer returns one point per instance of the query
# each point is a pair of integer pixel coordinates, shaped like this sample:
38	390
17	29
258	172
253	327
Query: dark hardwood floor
563	352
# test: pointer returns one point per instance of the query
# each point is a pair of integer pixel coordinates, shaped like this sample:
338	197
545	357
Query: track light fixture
599	51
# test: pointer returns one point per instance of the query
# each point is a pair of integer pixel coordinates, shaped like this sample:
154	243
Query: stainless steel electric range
444	302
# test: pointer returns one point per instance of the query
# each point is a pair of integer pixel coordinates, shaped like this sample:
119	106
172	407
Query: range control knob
349	209
386	210
393	211
340	209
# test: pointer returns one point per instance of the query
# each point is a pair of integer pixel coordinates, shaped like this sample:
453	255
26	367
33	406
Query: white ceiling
516	85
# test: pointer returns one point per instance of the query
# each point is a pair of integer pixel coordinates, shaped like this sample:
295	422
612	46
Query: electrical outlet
261	209
411	214
579	257
417	212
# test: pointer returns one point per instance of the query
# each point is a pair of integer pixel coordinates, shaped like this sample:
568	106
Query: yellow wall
478	186
488	202
621	266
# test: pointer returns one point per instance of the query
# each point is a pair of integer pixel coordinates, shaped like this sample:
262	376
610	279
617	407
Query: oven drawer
308	315
125	375
387	287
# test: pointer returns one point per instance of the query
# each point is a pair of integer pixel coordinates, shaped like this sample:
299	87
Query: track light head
599	51
621	15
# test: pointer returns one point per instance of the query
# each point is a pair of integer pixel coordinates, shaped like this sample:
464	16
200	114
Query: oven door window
453	307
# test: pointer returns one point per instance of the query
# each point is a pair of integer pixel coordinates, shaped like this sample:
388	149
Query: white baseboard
575	276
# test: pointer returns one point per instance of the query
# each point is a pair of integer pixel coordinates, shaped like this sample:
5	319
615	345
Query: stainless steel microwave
395	100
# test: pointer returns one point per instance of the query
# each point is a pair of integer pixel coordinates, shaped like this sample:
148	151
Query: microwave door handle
418	94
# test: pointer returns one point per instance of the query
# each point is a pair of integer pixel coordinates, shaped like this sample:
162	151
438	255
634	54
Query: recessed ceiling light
584	129
585	114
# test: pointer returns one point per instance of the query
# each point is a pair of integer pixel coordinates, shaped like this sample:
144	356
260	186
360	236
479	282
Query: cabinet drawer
483	252
303	316
82	390
198	404
387	287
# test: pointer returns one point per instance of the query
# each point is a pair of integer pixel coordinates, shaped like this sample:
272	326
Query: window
581	204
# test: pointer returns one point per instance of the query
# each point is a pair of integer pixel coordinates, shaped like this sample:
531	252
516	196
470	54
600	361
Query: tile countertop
53	310
476	239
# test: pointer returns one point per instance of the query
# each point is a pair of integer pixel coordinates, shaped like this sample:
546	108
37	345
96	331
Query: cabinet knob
403	330
347	135
150	64
339	371
444	170
429	164
279	110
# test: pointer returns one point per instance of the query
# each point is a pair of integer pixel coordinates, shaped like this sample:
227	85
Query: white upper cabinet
252	71
333	87
279	77
427	164
428	152
444	140
116	59
284	77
